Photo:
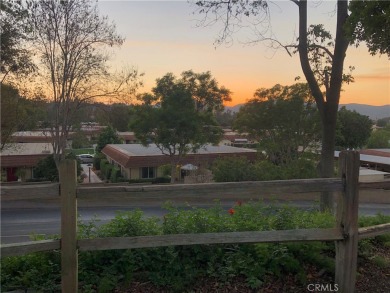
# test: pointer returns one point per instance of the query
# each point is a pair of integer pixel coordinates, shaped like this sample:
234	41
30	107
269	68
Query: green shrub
107	171
300	169
115	174
105	168
46	169
161	180
38	271
233	169
158	180
240	169
97	160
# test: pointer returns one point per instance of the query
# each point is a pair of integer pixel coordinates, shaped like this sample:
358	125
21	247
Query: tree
179	118
353	129
18	113
107	136
283	119
225	118
240	169
47	169
233	169
321	59
70	37
117	115
79	140
369	22
15	58
379	139
383	122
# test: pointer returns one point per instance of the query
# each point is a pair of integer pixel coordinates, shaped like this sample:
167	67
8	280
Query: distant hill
374	112
235	108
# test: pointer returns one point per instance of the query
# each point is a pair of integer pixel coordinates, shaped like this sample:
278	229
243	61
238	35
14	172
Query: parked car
85	158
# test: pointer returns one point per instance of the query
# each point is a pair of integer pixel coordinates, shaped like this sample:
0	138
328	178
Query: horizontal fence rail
210	238
375	185
373	231
15	249
30	191
333	234
211	191
227	190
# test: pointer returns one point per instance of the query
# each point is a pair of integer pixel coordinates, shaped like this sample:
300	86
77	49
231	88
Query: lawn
90	151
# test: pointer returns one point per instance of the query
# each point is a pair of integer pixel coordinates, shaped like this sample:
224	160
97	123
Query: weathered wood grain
373	231
29	191
69	253
210	238
347	221
375	185
210	191
15	249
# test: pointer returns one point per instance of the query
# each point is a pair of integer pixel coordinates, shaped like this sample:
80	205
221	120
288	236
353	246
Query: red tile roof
21	160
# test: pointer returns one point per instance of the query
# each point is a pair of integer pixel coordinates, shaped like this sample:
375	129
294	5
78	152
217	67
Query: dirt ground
373	276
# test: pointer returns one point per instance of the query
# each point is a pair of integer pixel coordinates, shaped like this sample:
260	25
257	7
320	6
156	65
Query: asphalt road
19	221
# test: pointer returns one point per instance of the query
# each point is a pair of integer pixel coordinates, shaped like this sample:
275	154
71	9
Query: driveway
91	176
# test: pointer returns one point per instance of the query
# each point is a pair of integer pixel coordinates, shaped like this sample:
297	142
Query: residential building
139	162
18	160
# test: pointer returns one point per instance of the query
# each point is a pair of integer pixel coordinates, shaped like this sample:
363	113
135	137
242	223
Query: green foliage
240	169
379	139
369	22
18	113
165	170
282	119
177	269
46	168
115	174
107	136
178	117
15	57
105	168
117	115
233	169
225	118
97	160
157	180
38	271
302	168
383	122
79	140
353	129
81	151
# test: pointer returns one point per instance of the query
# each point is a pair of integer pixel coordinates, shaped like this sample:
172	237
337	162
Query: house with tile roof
142	162
19	159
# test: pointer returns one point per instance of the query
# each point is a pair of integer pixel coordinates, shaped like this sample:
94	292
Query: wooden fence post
347	221
69	252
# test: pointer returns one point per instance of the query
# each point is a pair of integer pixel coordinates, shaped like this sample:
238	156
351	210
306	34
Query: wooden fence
346	233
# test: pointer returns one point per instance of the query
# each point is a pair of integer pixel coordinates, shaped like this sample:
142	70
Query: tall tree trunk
327	154
328	104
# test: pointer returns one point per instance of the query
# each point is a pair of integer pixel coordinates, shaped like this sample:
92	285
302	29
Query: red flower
231	211
239	203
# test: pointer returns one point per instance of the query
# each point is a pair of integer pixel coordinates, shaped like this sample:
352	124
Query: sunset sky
164	36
